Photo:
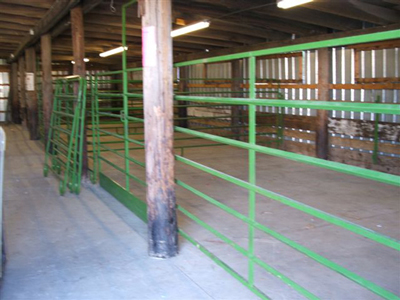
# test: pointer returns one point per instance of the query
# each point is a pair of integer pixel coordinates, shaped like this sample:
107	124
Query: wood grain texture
15	107
31	97
47	84
79	68
158	110
321	140
21	88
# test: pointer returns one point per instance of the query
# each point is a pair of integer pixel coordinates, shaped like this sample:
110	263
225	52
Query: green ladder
65	141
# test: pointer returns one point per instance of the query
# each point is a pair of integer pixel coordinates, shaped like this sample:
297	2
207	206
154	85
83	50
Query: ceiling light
85	60
190	28
113	51
291	3
180	22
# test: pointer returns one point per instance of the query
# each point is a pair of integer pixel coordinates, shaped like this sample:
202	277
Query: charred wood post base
158	111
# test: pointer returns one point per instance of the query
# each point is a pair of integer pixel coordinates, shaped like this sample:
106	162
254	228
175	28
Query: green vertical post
376	134
252	165
96	122
280	118
81	132
125	94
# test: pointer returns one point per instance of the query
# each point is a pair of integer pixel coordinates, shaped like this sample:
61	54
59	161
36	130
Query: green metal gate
118	143
65	142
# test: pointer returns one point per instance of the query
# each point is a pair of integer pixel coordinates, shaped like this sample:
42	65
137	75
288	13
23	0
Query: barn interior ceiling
234	23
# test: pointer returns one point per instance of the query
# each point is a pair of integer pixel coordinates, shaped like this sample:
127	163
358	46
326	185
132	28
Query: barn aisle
88	247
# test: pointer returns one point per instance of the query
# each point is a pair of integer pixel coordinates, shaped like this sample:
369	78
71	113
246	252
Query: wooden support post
183	87
47	84
31	97
21	83
321	139
158	111
237	74
78	40
15	107
78	49
356	63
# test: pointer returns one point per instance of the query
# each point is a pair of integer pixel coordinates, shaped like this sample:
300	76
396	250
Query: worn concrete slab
91	247
88	247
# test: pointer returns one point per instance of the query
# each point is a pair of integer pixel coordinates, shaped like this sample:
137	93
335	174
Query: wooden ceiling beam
99	60
53	15
299	14
4	55
249	30
378	11
13	19
225	36
33	3
8	39
209	34
7	47
304	15
205	43
7	25
15	33
235	27
195	11
65	23
135	37
250	19
344	9
396	2
22	10
112	20
274	44
66	41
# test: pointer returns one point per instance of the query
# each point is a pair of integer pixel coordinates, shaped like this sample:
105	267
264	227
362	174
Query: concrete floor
91	247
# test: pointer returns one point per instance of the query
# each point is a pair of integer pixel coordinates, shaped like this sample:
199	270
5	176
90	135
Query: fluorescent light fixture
291	3
85	60
190	28
113	51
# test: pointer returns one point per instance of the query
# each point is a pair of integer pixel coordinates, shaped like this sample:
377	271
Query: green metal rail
39	95
65	141
130	166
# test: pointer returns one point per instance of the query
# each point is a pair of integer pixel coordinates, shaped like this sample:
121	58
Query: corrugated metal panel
374	63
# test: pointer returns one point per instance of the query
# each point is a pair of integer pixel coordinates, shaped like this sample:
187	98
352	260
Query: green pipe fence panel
65	141
118	143
38	82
